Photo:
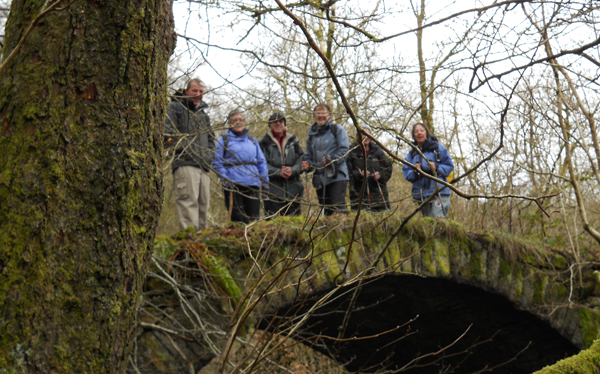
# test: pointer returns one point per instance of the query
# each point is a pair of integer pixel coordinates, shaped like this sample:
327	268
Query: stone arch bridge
477	300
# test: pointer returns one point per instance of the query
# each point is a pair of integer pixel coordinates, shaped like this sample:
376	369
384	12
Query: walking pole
323	212
230	204
307	189
368	190
380	191
307	192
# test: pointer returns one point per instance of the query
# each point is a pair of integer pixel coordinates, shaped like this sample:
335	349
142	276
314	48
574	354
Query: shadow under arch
499	337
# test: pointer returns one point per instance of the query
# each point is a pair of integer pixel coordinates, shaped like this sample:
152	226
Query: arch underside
455	328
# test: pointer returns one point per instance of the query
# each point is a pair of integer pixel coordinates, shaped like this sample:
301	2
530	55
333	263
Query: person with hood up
377	173
284	157
436	159
326	149
242	167
190	137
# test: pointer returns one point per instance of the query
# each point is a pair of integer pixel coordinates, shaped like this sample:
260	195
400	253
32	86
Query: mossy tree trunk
81	111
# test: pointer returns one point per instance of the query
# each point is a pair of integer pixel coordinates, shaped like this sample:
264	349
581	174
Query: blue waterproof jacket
242	162
422	187
321	142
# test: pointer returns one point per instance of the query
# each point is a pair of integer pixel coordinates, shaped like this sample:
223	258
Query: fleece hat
276	117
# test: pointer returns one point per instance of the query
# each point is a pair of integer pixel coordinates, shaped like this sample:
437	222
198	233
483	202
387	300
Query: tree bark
81	113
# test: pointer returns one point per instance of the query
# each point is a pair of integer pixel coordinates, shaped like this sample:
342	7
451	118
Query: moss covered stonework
81	111
535	278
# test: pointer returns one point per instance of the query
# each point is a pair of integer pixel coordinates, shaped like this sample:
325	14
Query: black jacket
189	133
378	161
283	188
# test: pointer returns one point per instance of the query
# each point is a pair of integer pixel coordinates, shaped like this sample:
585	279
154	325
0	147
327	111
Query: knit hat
276	117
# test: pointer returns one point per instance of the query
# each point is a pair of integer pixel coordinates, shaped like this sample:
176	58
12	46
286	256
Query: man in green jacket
284	157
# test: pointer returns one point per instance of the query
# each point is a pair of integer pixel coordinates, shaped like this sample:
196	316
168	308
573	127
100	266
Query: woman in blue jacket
240	163
440	161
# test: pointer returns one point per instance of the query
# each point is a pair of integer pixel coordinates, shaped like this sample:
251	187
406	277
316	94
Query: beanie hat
276	117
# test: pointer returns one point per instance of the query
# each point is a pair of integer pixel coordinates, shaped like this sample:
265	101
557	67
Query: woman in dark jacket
436	158
240	163
284	156
377	174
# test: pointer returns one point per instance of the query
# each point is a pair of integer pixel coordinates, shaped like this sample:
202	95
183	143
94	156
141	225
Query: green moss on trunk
587	362
81	109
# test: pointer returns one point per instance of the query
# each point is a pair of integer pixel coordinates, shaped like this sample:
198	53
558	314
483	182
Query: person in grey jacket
284	157
326	149
189	135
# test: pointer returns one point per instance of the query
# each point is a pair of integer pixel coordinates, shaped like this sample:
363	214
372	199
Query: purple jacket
242	162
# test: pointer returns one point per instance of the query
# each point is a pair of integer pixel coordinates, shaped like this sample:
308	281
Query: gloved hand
227	184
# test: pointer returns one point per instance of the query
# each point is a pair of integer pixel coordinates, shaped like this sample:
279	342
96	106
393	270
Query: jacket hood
316	129
431	144
269	135
230	132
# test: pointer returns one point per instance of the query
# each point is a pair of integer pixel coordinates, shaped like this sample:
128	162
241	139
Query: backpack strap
334	130
225	143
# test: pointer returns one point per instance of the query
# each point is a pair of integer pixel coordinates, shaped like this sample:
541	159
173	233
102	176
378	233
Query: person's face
366	140
322	115
420	134
278	127
237	122
195	92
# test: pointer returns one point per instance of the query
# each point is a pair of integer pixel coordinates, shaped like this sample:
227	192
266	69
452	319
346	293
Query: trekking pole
230	204
368	190
323	212
307	193
380	191
307	189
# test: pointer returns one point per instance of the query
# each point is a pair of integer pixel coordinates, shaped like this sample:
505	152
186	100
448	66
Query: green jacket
282	188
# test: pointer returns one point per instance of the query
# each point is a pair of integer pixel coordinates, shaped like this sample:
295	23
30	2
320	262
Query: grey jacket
188	131
321	142
284	189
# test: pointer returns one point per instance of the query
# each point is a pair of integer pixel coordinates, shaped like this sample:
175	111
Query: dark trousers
273	206
243	203
333	196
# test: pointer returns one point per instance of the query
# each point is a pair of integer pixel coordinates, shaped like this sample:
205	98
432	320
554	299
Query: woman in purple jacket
240	163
